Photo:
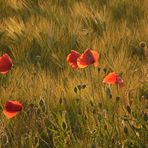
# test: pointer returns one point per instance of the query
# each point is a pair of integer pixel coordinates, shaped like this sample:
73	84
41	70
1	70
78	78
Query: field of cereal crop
93	97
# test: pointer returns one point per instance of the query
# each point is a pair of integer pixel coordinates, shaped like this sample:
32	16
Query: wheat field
72	108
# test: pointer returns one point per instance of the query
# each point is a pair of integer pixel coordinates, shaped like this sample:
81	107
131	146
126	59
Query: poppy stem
117	90
91	82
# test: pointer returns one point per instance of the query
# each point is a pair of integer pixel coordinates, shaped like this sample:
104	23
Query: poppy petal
120	82
88	57
11	108
85	59
96	58
5	63
81	63
111	78
9	114
4	72
72	58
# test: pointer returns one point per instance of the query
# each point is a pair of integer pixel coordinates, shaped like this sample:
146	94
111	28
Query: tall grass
57	112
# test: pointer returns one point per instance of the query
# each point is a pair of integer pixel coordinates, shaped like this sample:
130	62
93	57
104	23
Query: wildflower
5	63
88	57
72	58
11	108
113	78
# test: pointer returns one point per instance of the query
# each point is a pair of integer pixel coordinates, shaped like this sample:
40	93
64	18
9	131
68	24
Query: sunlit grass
38	35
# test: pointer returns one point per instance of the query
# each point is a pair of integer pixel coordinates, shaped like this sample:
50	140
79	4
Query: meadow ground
57	111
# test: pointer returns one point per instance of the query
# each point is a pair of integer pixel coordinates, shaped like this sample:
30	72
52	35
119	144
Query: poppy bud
125	130
75	89
117	99
128	109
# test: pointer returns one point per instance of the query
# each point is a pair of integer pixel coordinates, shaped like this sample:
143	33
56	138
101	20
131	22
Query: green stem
91	82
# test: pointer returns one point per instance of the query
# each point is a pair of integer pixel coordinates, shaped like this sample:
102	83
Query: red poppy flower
5	63
72	58
87	58
113	78
11	108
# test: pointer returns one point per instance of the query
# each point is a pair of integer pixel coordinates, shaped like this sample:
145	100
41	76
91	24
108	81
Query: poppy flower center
90	58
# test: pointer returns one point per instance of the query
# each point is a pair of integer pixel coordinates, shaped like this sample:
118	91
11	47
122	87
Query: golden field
57	111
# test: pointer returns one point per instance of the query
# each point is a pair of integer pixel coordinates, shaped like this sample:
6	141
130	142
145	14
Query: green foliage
72	108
